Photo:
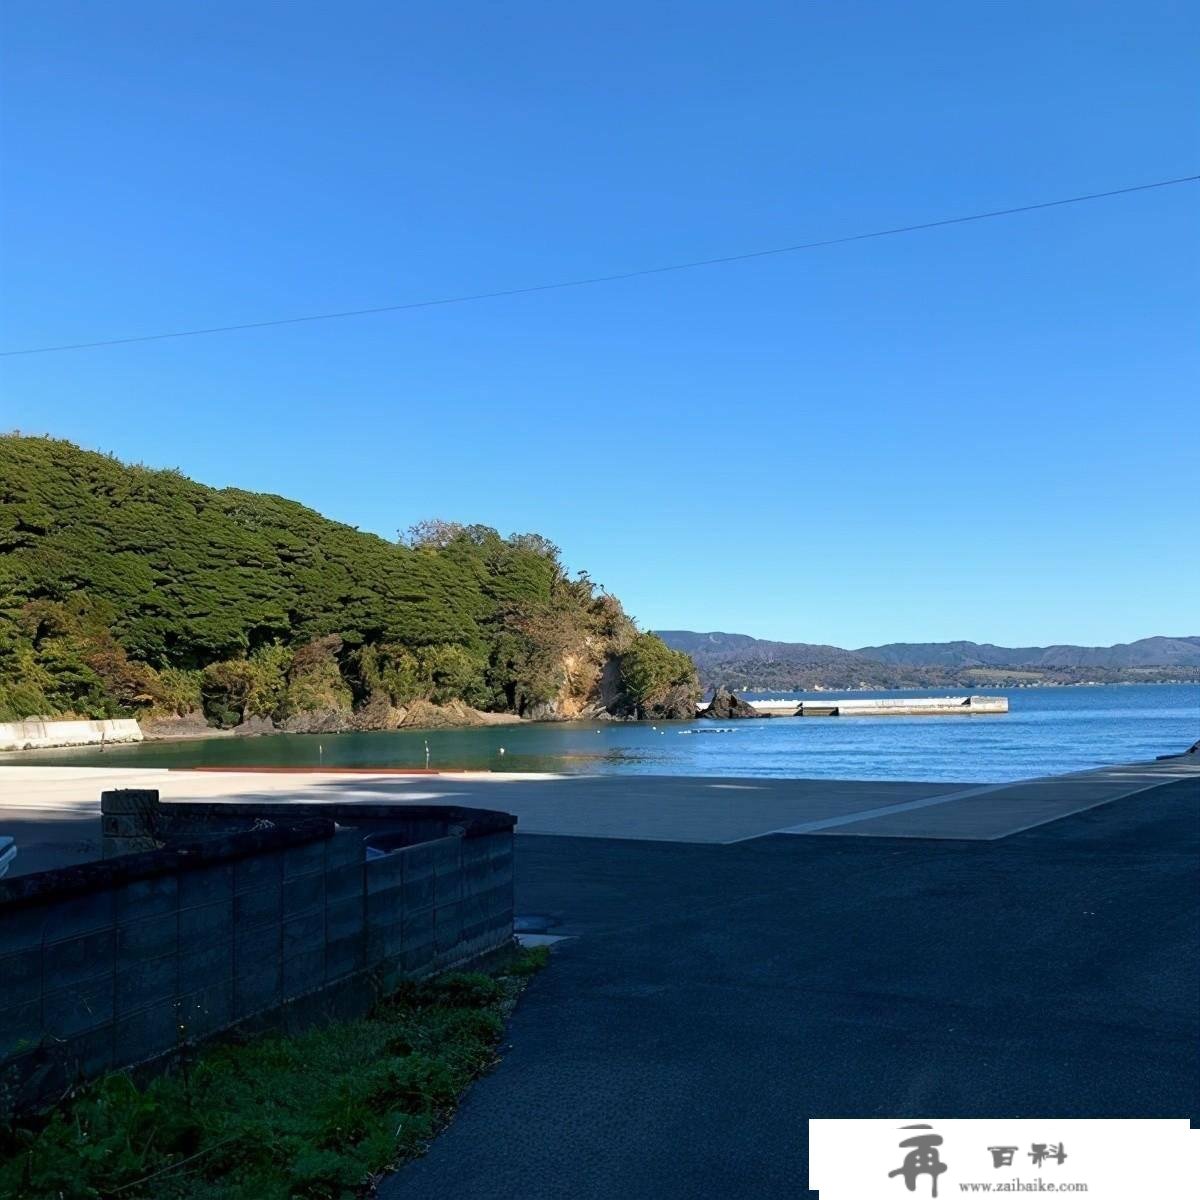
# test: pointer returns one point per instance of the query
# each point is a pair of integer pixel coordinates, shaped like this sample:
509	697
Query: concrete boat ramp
53	812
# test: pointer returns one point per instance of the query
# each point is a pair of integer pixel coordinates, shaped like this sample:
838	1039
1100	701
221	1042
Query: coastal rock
590	673
424	714
186	725
607	692
253	726
725	706
377	714
319	720
675	704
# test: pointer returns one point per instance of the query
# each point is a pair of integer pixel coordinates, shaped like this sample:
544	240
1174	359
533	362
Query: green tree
453	674
650	669
314	681
125	590
392	673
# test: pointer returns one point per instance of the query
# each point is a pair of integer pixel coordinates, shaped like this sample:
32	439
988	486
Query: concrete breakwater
36	734
889	707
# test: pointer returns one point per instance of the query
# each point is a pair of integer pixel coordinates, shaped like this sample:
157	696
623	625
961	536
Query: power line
594	279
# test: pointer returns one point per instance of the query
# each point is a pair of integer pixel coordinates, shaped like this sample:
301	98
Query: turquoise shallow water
1048	731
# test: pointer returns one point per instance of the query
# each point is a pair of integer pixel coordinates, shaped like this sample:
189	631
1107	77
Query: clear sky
985	431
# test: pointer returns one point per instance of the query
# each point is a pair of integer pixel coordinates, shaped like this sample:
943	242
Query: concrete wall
36	734
281	921
882	706
886	706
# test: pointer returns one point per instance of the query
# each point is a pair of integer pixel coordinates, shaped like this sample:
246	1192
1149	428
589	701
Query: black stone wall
243	913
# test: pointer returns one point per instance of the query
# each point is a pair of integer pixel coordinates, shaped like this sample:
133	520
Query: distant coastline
1048	683
744	663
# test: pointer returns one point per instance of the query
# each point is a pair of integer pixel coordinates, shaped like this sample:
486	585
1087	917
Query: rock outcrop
193	724
332	718
590	682
424	714
676	704
725	706
253	726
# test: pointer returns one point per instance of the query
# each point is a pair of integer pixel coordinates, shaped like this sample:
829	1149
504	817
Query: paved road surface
714	997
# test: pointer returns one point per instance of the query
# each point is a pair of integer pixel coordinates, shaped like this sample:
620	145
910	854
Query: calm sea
1048	731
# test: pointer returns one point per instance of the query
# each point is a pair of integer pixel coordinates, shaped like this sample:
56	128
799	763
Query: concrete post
127	821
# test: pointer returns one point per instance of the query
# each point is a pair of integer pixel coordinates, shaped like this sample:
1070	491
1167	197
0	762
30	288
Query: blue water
1047	731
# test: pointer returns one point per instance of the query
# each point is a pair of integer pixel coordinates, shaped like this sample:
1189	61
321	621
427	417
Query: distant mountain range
739	661
1148	652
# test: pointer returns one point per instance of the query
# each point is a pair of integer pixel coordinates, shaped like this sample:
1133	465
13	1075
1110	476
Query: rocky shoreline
423	715
677	705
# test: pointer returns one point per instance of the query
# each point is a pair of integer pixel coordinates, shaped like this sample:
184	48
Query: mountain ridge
1155	651
739	660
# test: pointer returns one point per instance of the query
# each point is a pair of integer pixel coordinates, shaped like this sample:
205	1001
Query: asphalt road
713	997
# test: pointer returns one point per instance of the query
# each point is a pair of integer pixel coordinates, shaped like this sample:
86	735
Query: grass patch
318	1115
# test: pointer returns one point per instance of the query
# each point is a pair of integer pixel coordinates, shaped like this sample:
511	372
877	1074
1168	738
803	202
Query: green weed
315	1116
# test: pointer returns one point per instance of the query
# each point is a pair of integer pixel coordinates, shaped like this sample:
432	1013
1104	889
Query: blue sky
985	431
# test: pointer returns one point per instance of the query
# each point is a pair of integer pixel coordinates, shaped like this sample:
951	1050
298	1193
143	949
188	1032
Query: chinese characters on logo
1002	1156
1041	1152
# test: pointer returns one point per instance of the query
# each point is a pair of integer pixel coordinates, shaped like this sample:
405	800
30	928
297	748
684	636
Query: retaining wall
243	914
36	734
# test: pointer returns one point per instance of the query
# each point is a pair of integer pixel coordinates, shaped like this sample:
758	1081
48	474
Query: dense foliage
125	590
651	671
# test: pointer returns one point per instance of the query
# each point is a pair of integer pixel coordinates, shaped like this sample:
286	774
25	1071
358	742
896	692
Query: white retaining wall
34	734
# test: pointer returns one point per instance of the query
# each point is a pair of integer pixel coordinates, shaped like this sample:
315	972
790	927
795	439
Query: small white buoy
501	749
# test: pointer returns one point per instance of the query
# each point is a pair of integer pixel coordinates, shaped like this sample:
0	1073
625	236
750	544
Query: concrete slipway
53	811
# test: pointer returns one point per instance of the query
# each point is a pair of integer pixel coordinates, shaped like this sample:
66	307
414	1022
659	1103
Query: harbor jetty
922	706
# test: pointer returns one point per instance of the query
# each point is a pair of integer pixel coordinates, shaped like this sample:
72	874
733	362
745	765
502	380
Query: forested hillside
130	591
